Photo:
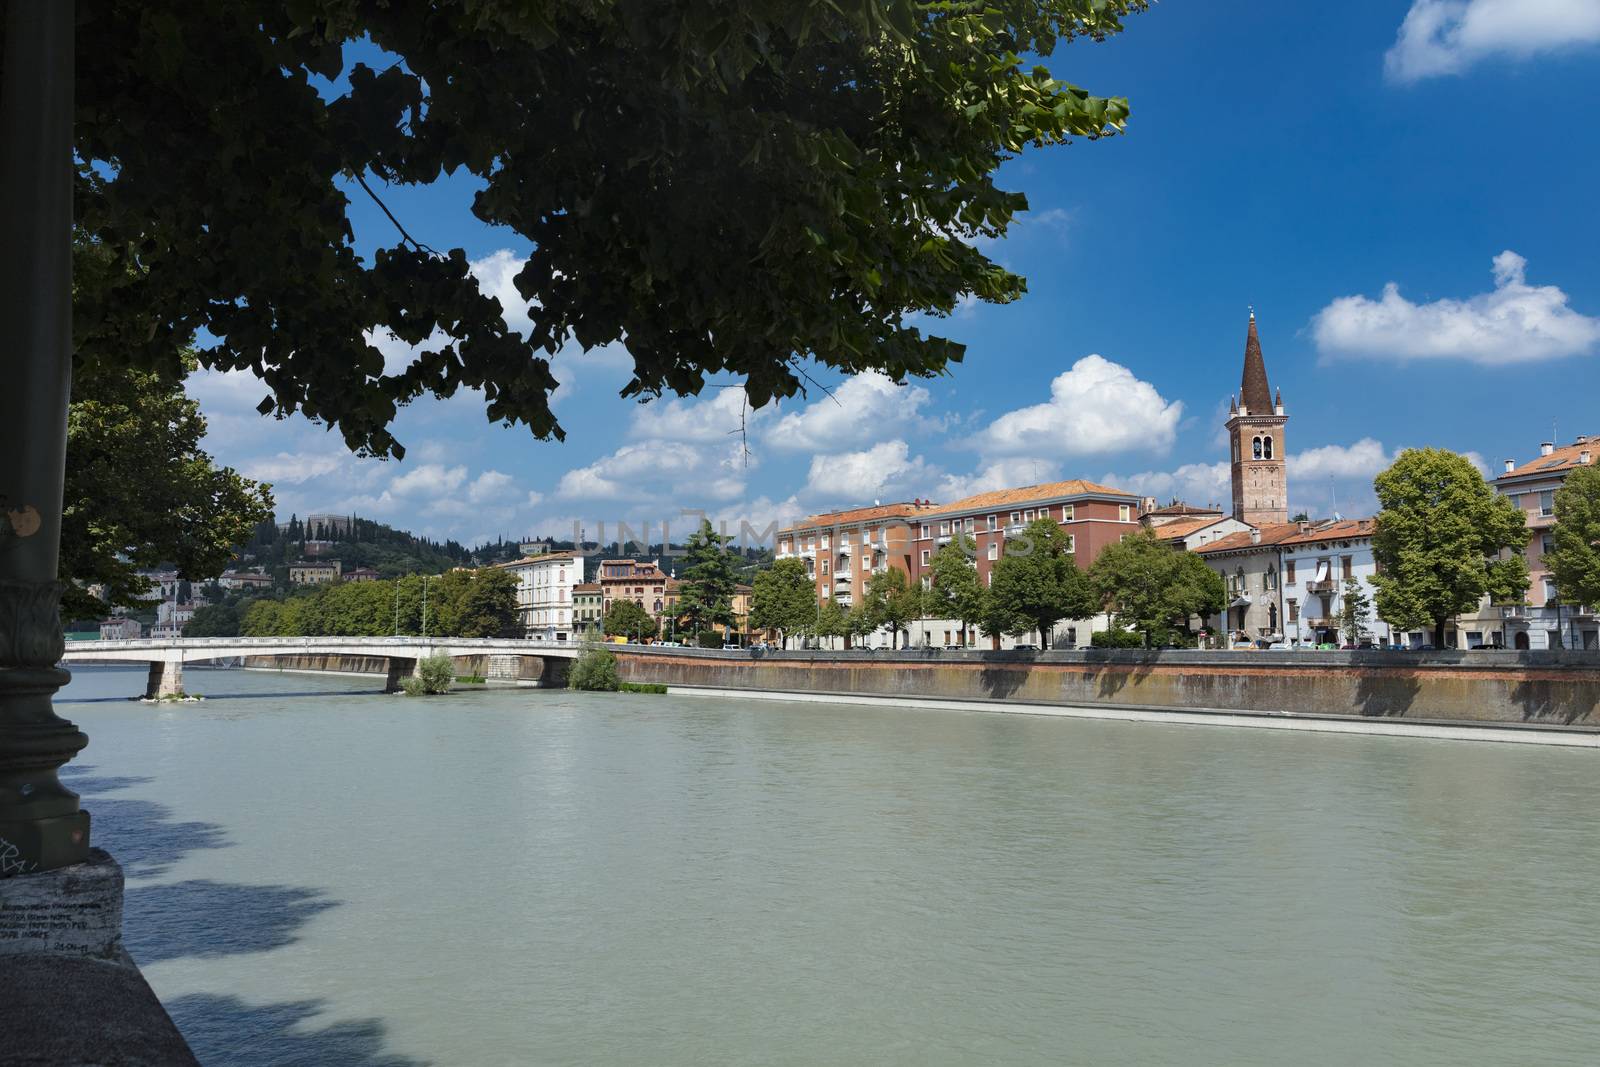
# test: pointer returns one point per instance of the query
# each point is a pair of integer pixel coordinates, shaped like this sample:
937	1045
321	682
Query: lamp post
41	824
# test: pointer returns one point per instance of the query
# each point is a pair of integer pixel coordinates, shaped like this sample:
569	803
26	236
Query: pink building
1546	621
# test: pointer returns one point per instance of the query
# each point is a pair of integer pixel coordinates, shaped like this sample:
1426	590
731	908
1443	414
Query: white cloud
1364	459
714	418
1447	36
293	468
1200	484
1095	407
1001	474
884	471
659	471
1516	323
433	478
490	487
868	407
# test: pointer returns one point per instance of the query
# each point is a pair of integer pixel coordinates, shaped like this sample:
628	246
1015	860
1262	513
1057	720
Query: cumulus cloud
1515	323
1447	36
433	478
1001	474
293	468
710	419
1200	484
886	470
490	487
1095	407
1364	459
865	408
659	471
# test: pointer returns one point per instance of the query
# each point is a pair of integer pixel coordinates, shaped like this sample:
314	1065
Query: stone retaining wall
1545	688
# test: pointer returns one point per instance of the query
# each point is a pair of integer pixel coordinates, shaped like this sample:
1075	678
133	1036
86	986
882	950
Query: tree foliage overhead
724	186
1444	540
140	492
1574	561
1153	589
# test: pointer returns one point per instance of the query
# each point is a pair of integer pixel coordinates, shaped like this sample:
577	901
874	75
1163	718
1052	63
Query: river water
320	874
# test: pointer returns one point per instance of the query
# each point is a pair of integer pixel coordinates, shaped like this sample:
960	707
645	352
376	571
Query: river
321	874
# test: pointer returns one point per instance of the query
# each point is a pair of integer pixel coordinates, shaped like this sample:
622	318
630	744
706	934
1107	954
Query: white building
544	593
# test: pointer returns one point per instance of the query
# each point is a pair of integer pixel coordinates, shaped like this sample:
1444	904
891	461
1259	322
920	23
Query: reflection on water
319	873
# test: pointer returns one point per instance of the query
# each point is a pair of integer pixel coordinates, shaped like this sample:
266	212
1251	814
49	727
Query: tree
1354	608
140	492
1441	540
1574	560
739	189
891	601
782	598
261	619
595	669
1152	588
858	623
489	606
831	620
1036	584
705	593
626	619
956	593
213	620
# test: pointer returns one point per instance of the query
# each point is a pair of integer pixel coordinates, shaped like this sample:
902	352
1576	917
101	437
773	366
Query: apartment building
319	573
1546	620
545	587
587	608
646	584
843	549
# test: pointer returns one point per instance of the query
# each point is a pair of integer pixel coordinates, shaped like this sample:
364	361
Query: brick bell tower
1256	437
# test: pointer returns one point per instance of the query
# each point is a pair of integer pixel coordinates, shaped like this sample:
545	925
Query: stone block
70	911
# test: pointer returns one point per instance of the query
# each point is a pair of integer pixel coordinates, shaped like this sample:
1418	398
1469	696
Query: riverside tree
1036	584
831	620
782	598
140	492
1574	561
705	592
1153	589
891	600
726	187
1354	607
1444	540
624	618
956	593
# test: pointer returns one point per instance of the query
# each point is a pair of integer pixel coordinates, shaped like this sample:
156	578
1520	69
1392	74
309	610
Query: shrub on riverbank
595	669
436	673
643	687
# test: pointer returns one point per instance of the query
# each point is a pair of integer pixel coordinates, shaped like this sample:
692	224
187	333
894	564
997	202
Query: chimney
1511	465
1305	526
1546	447
1583	457
1583	439
1255	537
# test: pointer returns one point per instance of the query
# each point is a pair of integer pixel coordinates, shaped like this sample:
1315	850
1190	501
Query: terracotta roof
1180	509
1561	460
851	516
525	560
586	587
1272	533
1028	494
1183	527
1337	530
1253	390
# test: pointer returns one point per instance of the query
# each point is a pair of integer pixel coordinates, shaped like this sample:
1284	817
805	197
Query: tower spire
1254	393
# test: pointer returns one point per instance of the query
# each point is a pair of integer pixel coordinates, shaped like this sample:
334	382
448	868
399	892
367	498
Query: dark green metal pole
41	825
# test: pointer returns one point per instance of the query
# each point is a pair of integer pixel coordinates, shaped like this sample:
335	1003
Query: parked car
955	648
1025	648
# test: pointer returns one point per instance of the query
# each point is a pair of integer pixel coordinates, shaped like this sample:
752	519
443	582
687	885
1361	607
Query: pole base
43	844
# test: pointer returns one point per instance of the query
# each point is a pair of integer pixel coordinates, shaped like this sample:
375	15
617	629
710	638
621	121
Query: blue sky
1403	190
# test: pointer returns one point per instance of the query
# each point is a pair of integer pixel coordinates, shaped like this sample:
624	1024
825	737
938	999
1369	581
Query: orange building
843	549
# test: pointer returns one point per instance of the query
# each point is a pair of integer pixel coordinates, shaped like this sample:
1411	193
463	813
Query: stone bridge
505	658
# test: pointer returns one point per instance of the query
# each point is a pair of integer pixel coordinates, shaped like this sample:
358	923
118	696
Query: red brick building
843	549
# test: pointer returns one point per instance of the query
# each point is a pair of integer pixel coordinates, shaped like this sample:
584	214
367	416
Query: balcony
841	579
942	539
1513	611
843	600
1327	585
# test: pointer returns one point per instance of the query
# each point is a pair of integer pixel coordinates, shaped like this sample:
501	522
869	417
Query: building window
994	549
1067	512
1255	448
927	531
824	566
1349	566
924	557
994	522
927	583
1124	512
1027	516
1294	609
944	529
1288	575
1547	544
972	524
1550	590
1547	503
1266	447
824	540
1072	542
1016	518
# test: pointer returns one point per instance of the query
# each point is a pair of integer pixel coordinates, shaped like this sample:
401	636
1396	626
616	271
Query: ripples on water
321	874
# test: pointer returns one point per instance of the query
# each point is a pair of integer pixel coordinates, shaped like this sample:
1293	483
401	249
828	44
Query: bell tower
1256	437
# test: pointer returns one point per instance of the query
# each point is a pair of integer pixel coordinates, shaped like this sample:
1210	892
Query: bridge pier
165	679
399	670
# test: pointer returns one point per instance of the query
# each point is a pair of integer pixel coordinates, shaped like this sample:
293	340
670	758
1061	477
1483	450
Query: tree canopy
624	618
723	186
705	593
1574	560
891	600
1036	584
1153	589
783	599
956	593
1444	540
140	492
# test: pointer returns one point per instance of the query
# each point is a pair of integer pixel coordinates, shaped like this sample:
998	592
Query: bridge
507	659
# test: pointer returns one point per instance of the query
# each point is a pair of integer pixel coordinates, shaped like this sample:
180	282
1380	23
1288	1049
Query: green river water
320	874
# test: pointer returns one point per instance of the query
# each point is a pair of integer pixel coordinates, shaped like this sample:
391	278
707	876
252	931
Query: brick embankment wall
1543	688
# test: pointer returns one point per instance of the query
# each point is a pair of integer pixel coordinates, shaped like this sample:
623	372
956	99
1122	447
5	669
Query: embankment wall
1550	688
